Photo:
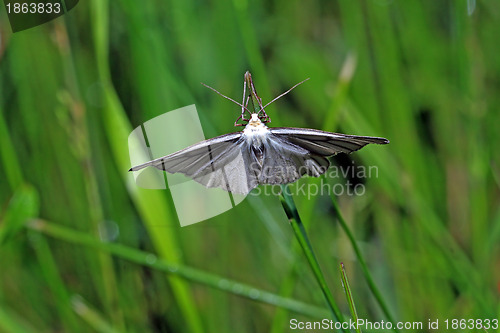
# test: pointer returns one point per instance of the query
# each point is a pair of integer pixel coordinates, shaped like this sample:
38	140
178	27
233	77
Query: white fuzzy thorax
255	131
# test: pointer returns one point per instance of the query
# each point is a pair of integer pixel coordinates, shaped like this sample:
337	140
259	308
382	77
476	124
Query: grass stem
147	259
371	283
348	294
301	234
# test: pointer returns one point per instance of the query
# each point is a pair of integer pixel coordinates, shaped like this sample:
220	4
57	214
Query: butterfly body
255	132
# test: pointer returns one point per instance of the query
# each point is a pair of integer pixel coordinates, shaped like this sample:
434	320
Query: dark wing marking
325	143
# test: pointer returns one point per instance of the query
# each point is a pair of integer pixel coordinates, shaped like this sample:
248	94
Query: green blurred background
83	249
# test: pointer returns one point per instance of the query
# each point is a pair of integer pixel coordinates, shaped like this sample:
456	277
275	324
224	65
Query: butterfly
239	162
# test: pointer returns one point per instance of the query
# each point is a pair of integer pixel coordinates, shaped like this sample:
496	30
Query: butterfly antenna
286	92
229	98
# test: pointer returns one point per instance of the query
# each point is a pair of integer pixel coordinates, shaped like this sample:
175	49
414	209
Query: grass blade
369	279
188	273
348	294
301	234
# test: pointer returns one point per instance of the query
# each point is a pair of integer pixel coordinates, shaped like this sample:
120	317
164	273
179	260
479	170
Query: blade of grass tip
348	294
150	260
371	283
91	316
301	234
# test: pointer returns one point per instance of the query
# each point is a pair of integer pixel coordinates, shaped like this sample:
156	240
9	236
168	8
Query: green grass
421	243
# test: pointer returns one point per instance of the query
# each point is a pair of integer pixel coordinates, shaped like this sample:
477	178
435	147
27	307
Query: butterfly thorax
255	129
255	133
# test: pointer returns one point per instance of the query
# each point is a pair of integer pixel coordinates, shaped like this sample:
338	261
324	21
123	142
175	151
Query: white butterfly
239	162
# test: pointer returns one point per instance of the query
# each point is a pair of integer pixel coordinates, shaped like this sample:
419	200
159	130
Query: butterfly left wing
325	143
193	158
221	162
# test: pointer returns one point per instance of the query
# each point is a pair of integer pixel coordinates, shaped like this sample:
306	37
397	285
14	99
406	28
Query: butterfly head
255	120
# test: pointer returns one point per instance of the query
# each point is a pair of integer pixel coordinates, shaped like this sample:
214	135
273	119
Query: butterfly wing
190	159
220	162
229	162
325	143
290	153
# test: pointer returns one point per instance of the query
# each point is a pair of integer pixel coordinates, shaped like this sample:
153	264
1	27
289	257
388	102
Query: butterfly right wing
291	153
325	143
